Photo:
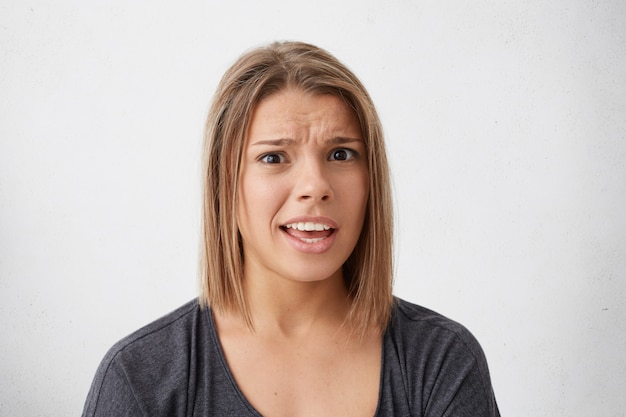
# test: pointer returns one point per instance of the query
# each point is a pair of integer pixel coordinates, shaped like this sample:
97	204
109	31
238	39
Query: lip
316	247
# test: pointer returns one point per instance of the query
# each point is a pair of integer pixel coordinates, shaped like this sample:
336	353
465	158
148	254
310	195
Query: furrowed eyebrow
275	142
285	142
342	140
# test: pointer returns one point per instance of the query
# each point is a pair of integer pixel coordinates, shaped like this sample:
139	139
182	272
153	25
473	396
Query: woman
296	315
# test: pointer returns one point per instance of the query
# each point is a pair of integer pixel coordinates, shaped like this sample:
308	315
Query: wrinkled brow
285	142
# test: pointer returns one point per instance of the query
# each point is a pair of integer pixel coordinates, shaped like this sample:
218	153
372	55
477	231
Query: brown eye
272	158
342	155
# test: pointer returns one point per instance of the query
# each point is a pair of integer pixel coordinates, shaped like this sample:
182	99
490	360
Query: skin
303	162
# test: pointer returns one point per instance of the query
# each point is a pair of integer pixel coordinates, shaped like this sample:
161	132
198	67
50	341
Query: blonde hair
255	75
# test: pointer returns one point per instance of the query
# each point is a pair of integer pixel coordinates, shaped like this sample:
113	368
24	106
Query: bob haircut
257	74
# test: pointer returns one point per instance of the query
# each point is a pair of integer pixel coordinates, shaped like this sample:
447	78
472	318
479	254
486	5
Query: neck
292	308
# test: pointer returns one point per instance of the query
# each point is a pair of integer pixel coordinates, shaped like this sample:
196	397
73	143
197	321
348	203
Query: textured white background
506	128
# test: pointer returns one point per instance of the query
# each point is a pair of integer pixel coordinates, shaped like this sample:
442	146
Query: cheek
359	187
258	199
354	194
364	196
365	186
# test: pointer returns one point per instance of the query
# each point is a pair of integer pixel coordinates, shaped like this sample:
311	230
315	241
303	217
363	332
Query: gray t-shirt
174	367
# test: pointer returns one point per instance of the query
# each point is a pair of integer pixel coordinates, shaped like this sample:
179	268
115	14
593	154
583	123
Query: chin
310	275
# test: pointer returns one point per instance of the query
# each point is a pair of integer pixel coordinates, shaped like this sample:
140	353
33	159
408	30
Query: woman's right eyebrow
274	142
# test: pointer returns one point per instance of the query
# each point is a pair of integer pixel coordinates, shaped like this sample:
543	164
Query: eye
342	155
272	158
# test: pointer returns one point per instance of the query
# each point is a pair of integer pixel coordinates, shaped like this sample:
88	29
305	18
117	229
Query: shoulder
159	352
171	329
416	323
441	363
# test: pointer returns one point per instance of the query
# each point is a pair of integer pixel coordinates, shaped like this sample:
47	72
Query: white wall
506	125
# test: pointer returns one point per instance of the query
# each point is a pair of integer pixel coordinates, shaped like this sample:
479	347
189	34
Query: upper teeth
308	226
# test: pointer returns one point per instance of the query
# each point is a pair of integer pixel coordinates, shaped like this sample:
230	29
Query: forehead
293	111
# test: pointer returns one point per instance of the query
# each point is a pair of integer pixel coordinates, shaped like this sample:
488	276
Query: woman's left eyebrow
342	140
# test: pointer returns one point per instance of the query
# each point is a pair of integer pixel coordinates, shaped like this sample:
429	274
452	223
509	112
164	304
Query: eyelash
350	154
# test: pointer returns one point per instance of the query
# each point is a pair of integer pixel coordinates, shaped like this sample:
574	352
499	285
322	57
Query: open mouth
308	232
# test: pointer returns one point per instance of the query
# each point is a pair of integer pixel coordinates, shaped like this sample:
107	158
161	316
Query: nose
313	182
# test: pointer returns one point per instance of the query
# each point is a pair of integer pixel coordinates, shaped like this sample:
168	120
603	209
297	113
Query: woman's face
303	187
